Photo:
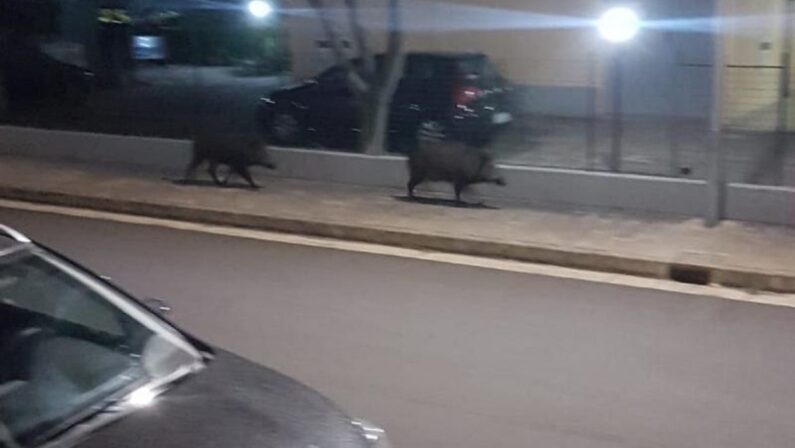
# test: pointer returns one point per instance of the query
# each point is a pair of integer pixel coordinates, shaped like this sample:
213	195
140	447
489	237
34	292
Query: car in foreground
459	96
83	364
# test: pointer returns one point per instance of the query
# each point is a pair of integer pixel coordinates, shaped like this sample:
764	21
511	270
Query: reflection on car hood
235	403
294	88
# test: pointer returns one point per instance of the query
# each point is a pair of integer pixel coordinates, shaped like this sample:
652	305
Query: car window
478	68
69	344
424	68
31	285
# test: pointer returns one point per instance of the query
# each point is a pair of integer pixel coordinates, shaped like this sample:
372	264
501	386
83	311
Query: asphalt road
452	356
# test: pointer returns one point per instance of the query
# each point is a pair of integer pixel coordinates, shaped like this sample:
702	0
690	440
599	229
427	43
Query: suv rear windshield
478	68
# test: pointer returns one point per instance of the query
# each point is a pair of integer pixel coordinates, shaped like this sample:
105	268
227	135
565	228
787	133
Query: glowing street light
618	25
260	8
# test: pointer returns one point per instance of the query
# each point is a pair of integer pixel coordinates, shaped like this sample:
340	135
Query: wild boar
238	152
453	162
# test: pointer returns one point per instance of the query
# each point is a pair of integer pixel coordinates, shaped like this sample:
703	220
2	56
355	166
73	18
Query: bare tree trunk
374	137
368	63
373	89
375	127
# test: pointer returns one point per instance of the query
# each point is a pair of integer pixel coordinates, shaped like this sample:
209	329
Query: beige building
552	52
755	42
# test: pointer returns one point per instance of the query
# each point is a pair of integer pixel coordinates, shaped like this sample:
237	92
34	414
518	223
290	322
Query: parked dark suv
458	95
29	75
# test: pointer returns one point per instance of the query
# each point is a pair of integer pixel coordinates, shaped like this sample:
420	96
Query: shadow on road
444	202
208	183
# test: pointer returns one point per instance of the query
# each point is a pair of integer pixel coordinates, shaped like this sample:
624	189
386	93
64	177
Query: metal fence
753	97
562	122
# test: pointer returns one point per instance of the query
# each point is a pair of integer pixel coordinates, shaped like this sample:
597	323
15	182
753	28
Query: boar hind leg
415	180
459	188
190	171
213	170
245	174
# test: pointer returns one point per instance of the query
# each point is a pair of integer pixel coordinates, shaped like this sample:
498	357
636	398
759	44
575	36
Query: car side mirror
157	305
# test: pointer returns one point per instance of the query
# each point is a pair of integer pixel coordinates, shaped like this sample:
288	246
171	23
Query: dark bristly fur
452	162
238	152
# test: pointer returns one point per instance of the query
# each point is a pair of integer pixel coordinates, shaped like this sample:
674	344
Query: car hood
293	89
235	403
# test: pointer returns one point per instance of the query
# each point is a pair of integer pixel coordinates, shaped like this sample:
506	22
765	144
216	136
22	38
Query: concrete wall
556	101
544	186
772	205
527	184
155	154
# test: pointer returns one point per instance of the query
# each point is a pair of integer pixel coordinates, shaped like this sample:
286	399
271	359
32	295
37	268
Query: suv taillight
466	94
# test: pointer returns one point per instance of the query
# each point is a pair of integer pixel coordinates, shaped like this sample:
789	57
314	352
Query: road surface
452	356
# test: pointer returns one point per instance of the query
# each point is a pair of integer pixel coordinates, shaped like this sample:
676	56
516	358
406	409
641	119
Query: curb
566	257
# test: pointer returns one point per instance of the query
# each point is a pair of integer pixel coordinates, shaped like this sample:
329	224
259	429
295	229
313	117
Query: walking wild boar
453	162
238	152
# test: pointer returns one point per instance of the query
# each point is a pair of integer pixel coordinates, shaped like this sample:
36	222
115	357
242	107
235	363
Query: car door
422	96
407	103
333	114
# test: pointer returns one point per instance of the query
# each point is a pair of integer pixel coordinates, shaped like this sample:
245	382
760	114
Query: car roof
435	55
445	55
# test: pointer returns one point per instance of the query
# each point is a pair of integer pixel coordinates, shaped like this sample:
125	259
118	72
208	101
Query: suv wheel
285	127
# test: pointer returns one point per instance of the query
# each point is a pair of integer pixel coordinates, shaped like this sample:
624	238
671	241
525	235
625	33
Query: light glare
142	397
259	8
618	25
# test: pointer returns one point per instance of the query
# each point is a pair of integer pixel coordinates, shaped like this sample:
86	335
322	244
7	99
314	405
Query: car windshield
70	345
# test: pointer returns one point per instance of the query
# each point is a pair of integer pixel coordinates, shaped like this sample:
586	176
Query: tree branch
328	30
357	83
368	64
386	84
393	59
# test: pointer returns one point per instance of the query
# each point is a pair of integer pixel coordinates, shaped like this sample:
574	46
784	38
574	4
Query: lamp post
716	159
617	26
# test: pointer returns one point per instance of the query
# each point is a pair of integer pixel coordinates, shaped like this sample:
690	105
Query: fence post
786	71
673	118
590	133
716	180
617	127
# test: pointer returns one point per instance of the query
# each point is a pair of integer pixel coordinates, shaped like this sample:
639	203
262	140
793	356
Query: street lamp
618	26
260	9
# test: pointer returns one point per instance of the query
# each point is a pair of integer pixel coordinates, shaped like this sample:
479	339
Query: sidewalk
735	254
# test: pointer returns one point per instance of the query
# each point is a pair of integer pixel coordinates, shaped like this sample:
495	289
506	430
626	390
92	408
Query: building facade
552	52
